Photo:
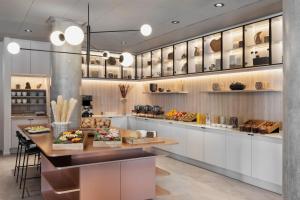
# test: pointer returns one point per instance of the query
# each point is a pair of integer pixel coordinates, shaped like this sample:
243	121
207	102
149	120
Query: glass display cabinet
129	72
113	67
212	52
180	58
233	48
96	67
156	63
139	66
146	65
195	58
277	40
257	37
168	61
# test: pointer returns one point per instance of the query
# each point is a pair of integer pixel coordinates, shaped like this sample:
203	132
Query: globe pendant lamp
74	35
126	59
106	55
57	38
13	48
146	30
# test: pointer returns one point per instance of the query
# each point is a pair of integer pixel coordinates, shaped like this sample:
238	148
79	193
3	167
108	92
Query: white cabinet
40	62
179	134
239	153
267	159
195	144
215	148
29	62
21	61
26	121
143	124
119	122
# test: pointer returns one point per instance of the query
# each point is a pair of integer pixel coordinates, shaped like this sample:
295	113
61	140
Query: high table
122	173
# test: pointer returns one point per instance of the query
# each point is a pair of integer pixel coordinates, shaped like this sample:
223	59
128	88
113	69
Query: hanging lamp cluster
74	35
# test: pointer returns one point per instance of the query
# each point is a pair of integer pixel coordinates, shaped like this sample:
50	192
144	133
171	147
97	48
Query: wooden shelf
63	181
172	92
50	195
28	90
28	97
159	191
161	172
242	91
28	104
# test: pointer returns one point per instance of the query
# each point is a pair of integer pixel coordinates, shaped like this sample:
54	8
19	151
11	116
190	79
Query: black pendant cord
88	42
65	52
116	31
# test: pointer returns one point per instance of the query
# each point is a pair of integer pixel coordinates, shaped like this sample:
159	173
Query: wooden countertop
45	140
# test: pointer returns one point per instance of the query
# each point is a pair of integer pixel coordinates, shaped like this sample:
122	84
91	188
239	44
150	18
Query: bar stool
26	148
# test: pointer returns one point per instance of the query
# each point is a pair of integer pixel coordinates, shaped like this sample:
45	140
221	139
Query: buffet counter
126	172
194	124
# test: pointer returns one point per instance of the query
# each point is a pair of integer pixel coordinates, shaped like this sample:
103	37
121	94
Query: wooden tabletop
45	140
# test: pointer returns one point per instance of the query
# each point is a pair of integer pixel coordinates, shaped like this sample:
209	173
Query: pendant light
126	59
74	35
146	30
13	48
106	55
57	38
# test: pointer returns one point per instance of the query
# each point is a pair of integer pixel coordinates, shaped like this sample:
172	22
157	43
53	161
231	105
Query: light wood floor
185	182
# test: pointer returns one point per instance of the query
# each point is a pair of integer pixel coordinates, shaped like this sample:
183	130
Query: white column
291	141
66	73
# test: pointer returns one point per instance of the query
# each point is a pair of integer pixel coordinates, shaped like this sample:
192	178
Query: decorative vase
197	51
123	101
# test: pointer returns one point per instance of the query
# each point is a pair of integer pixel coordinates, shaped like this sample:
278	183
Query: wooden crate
111	144
71	146
269	127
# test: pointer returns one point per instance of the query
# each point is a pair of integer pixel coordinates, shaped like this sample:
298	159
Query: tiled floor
186	182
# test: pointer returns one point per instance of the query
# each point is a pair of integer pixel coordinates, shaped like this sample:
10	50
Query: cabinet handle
145	119
30	119
251	134
203	127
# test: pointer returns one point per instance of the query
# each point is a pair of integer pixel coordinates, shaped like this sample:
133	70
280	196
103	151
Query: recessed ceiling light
175	22
219	5
28	30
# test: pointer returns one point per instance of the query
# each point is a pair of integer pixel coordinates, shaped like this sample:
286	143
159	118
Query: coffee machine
87	106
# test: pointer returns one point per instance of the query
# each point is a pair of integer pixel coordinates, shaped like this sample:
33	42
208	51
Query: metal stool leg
25	177
16	163
22	173
19	163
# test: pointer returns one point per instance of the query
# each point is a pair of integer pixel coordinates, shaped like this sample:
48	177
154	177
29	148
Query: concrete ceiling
196	17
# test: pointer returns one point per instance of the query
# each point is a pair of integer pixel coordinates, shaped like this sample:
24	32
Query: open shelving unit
35	101
172	92
241	91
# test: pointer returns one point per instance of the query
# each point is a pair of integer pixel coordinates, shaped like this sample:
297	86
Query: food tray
47	130
251	125
111	144
269	127
70	146
34	130
137	141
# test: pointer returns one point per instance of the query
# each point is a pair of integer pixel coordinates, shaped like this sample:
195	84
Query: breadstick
59	106
64	111
72	104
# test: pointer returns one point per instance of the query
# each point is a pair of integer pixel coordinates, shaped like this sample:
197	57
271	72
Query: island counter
123	173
